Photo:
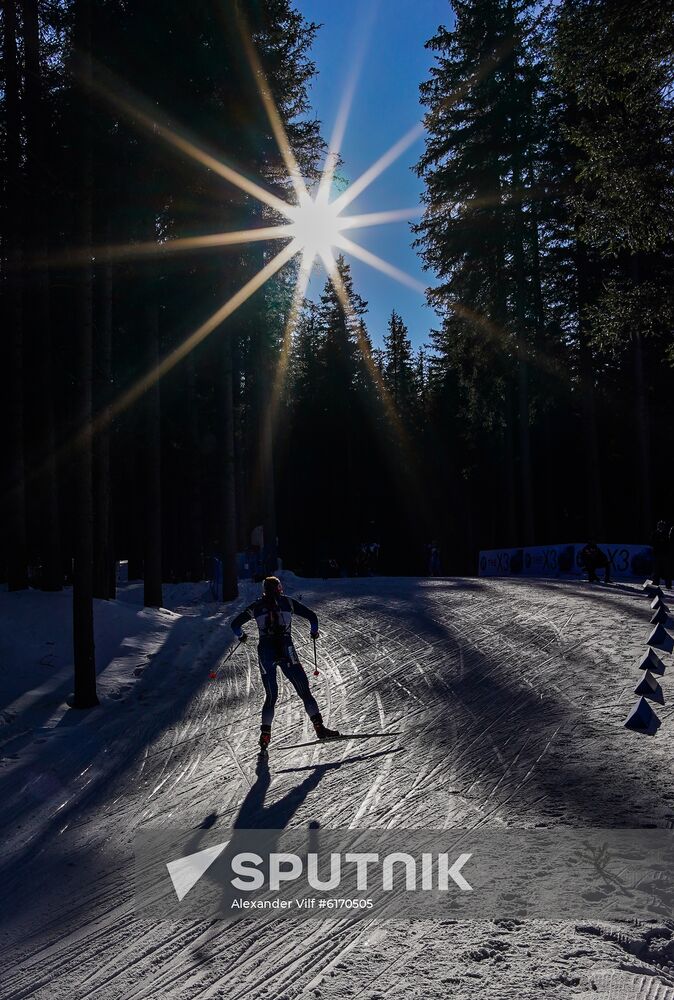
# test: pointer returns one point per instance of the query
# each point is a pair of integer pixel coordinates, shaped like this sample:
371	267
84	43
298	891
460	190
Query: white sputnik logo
283	867
186	872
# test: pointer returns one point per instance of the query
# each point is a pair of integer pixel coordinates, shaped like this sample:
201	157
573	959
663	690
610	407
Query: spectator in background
663	538
434	559
366	559
592	558
330	569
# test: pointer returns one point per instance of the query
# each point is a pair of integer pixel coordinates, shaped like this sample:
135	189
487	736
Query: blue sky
386	105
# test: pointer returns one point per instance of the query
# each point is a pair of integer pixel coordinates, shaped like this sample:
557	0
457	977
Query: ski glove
243	637
314	635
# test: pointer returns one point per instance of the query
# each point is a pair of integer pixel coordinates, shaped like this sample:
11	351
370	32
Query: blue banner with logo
627	561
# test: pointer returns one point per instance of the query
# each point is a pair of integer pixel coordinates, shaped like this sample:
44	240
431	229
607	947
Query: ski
337	739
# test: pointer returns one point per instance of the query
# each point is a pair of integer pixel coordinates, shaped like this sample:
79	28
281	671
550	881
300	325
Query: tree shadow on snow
513	714
480	680
106	742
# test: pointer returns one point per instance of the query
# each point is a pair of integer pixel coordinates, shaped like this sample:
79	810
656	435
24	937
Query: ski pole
315	658
214	673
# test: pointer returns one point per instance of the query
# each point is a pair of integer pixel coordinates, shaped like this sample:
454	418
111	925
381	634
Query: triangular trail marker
658	602
642	719
652	589
660	617
651	661
186	872
661	639
649	688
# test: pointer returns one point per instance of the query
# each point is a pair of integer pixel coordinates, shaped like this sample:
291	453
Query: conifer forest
167	391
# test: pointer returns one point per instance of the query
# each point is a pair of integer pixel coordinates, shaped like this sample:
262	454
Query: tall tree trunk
586	282
243	521
135	491
83	569
152	579
644	487
241	472
228	525
526	483
266	497
260	363
500	312
536	282
644	478
267	489
104	559
15	513
36	166
551	485
194	560
521	344
512	537
595	519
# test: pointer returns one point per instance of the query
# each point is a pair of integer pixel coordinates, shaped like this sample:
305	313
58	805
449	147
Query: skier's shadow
255	815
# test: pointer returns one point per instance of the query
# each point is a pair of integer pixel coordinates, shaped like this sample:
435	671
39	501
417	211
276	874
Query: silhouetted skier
273	614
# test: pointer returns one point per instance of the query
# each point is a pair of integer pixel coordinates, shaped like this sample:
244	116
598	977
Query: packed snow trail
510	698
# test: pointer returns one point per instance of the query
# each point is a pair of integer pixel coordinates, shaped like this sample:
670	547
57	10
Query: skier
592	557
273	614
662	554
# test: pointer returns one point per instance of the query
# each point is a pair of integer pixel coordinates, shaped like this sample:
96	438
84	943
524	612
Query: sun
310	226
315	226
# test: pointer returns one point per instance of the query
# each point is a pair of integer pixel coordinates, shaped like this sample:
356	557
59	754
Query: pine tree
340	336
398	370
15	527
84	695
473	235
421	384
281	38
614	61
338	430
38	314
105	581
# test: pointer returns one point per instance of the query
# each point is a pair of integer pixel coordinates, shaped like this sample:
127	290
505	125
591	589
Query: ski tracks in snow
503	691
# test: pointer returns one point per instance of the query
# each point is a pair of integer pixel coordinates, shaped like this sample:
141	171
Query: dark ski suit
273	617
662	556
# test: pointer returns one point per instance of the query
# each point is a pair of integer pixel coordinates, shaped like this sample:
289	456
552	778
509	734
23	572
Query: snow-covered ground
511	697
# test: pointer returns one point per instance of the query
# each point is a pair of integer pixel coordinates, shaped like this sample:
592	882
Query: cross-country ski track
509	696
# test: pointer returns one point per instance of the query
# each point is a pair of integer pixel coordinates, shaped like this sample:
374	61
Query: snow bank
36	649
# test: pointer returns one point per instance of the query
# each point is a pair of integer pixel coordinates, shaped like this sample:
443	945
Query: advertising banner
627	561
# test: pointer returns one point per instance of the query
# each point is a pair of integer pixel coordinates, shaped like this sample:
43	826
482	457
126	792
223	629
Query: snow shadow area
150	664
501	703
514	694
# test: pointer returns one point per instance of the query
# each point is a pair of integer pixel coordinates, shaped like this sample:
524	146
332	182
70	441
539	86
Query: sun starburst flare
312	226
316	226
